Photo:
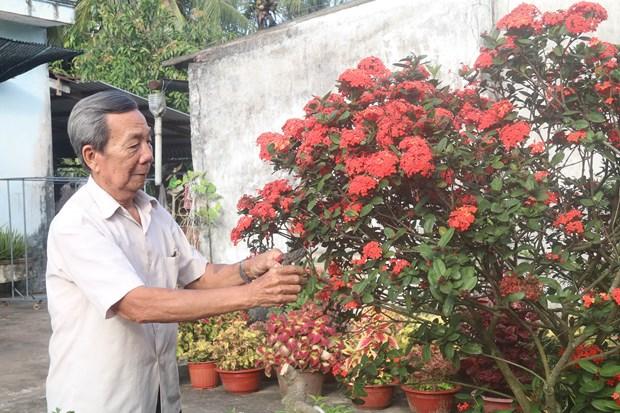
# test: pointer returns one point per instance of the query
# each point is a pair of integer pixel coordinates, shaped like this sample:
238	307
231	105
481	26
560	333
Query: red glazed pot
241	381
422	401
379	396
492	404
202	375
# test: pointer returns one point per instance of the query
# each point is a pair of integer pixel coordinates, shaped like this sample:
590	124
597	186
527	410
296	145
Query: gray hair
87	124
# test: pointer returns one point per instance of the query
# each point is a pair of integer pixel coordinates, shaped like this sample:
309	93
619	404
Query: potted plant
194	204
371	360
427	386
305	339
195	345
461	202
235	351
12	253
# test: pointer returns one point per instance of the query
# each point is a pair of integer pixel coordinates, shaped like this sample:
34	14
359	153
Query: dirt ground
24	335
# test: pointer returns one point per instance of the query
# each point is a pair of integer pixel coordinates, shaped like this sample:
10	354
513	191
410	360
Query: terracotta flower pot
313	382
422	401
202	375
379	396
492	404
241	381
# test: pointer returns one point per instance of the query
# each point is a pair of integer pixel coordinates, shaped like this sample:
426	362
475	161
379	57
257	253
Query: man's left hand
260	264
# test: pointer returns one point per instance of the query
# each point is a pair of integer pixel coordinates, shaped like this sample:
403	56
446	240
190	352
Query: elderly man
121	273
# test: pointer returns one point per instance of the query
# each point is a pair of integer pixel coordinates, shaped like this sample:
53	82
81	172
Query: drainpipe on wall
157	106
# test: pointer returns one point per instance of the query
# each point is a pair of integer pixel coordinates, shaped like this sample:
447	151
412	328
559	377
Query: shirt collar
108	205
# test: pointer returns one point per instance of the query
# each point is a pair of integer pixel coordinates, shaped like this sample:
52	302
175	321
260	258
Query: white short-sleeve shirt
96	254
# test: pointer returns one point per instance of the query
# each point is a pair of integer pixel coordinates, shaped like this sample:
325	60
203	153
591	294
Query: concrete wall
26	149
254	84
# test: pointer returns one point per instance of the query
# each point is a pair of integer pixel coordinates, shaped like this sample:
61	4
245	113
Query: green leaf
448	305
609	369
496	184
581	124
588	366
557	158
389	232
366	210
595	117
472	348
312	204
605	405
429	222
446	237
592	386
514	297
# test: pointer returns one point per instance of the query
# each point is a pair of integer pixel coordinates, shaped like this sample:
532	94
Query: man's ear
89	155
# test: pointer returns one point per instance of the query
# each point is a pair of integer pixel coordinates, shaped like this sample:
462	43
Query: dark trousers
158	408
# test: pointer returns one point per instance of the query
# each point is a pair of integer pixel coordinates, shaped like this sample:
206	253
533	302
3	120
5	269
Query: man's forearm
218	276
162	305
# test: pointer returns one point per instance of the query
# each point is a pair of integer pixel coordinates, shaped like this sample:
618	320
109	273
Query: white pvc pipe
158	150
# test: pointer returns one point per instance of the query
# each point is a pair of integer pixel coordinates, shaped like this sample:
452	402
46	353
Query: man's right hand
280	285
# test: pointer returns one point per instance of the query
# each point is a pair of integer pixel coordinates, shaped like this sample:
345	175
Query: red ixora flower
615	294
417	158
462	217
576	137
513	134
374	67
461	407
361	185
372	250
584	17
522	17
356	78
280	144
588	300
570	222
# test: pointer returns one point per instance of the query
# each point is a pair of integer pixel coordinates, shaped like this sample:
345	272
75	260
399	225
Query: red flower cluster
356	78
417	157
523	16
496	113
361	185
243	224
276	141
462	217
513	134
584	17
372	250
576	137
570	222
587	350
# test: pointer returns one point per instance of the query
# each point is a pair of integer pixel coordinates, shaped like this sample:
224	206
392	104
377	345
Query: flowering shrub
305	339
234	347
478	205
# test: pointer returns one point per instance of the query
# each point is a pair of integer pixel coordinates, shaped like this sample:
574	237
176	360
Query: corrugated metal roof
18	57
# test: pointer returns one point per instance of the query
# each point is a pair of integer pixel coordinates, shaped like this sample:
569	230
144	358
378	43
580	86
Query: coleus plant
305	339
491	205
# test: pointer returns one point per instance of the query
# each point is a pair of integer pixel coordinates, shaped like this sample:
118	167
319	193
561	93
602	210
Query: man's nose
147	153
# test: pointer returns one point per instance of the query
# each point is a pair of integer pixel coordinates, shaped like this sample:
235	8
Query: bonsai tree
488	206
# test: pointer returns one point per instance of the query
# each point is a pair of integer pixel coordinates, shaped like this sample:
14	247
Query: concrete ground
24	334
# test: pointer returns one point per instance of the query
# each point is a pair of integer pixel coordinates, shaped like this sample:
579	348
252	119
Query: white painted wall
254	84
25	135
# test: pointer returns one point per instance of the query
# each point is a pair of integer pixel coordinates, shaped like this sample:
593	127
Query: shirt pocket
170	272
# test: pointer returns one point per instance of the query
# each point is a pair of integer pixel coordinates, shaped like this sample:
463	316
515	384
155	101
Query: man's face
121	168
